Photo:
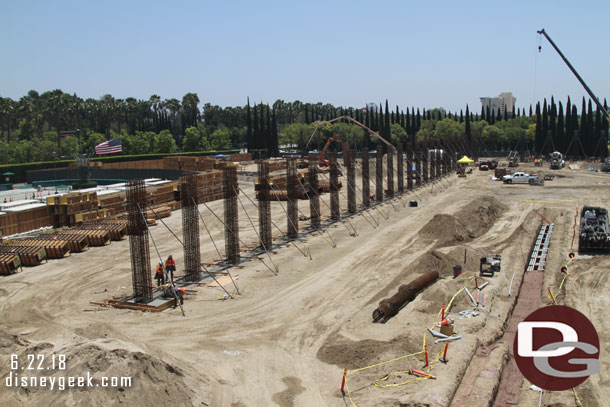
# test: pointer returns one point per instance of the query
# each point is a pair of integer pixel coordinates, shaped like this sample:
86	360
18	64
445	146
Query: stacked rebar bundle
379	173
230	211
138	241
264	206
314	197
293	203
333	169
366	187
190	226
399	170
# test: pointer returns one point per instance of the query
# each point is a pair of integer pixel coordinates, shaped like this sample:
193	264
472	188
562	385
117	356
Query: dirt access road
287	338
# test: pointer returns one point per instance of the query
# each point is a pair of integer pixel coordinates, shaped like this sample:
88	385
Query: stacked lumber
161	194
93	237
114	203
277	165
24	221
241	157
29	255
76	243
117	228
9	264
143	164
55	249
65	207
159	212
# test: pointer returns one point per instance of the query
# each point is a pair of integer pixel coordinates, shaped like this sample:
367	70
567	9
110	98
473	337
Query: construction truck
491	164
557	161
513	159
490	265
594	230
520	178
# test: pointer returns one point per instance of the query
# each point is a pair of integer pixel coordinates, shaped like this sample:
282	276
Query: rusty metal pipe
406	293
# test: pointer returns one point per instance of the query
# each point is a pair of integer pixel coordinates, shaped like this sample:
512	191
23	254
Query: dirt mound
346	353
153	381
467	224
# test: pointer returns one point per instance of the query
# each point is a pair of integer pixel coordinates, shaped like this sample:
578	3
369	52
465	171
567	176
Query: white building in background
505	99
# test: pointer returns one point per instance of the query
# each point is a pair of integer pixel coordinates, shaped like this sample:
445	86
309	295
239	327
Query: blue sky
413	53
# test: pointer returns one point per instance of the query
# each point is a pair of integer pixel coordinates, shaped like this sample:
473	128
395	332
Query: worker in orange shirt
160	275
170	267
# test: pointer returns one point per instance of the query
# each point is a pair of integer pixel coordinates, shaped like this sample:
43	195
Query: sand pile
467	224
153	381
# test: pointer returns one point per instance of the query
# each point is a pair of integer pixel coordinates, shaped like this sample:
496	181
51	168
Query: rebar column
379	174
410	161
366	186
390	172
138	241
400	174
264	205
190	226
231	214
424	155
314	197
438	160
419	168
333	168
432	162
293	203
351	181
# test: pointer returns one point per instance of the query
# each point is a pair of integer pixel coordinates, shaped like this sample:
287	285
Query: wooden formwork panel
9	264
29	255
94	237
55	249
75	243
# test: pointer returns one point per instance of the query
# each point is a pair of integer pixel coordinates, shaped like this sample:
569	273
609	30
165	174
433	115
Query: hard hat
170	256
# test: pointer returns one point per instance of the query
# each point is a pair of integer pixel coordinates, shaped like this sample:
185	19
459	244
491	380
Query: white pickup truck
519	178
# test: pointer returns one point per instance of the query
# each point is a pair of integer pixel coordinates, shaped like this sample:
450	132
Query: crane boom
582	82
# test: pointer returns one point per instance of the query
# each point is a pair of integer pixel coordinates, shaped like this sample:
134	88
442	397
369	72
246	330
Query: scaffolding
390	173
264	205
366	186
400	174
231	214
190	227
293	203
379	173
138	241
314	197
335	210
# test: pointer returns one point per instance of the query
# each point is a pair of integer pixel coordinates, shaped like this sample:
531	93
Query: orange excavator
322	161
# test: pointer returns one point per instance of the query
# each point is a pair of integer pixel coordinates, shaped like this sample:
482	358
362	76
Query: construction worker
160	275
170	267
180	292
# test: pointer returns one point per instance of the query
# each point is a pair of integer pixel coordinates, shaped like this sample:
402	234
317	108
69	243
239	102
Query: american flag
109	147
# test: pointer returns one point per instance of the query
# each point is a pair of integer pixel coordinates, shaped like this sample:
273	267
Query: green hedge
21	169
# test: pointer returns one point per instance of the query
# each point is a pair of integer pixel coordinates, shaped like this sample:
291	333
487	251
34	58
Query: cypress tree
553	121
386	125
262	131
487	115
582	132
498	115
462	116
530	110
306	115
417	122
467	130
249	141
560	143
545	125
428	116
538	140
268	133
604	135
275	150
483	110
256	129
590	136
505	113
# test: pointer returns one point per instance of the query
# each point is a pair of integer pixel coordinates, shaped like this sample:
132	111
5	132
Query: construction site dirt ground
287	338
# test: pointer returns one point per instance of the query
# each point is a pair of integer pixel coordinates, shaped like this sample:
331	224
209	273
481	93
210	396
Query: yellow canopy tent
465	160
